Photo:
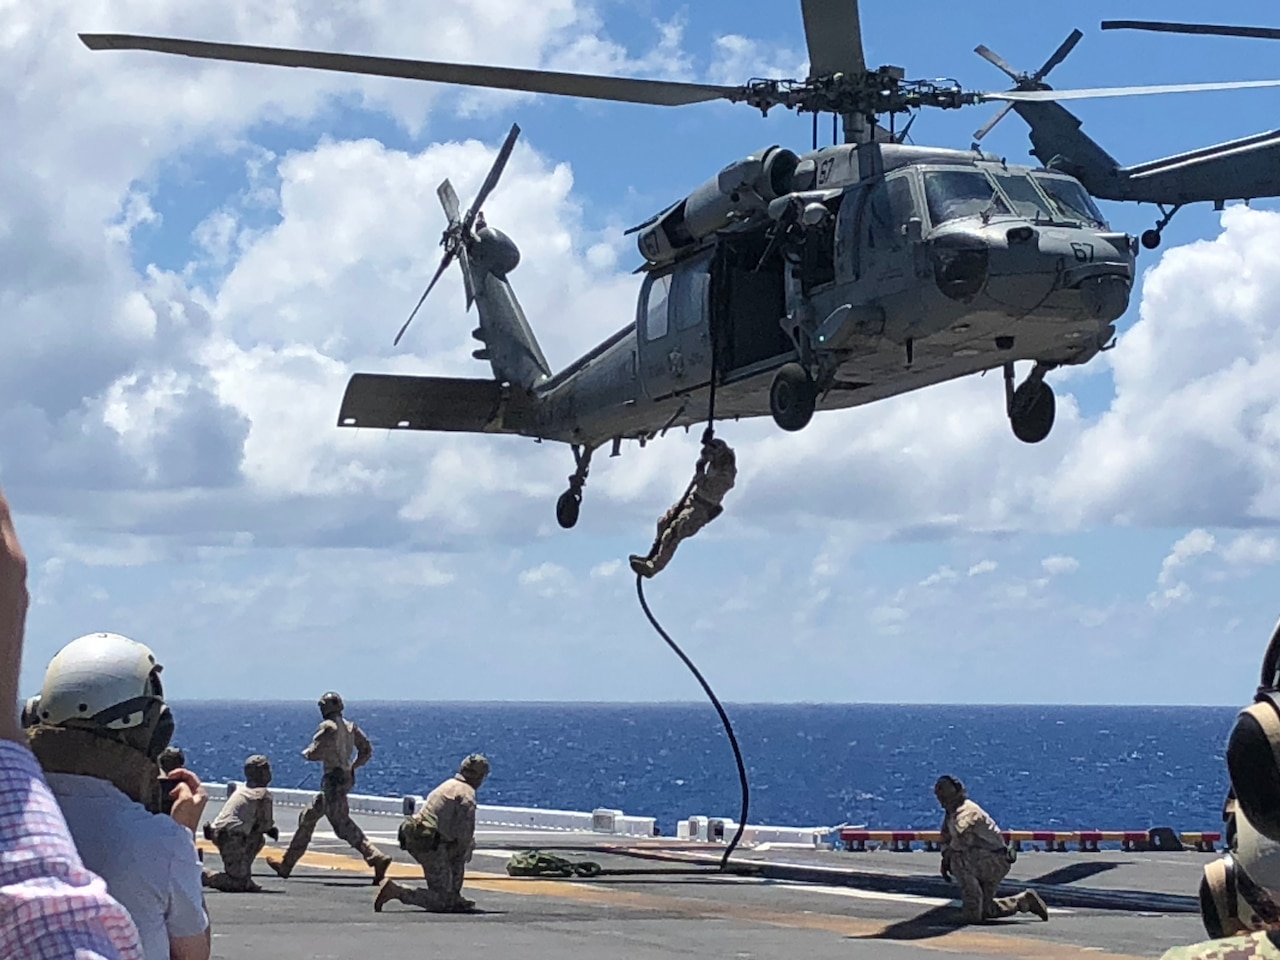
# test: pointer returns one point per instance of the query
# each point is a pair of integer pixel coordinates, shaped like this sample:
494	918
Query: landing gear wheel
1151	239
567	508
792	397
1032	410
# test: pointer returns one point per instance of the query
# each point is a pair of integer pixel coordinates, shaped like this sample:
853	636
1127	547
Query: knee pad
1253	749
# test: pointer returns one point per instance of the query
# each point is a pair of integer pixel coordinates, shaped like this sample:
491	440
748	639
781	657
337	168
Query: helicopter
787	283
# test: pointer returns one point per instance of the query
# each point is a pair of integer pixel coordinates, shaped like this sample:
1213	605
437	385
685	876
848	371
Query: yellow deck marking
960	940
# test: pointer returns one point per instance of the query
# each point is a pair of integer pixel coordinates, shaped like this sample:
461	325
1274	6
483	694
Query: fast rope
724	717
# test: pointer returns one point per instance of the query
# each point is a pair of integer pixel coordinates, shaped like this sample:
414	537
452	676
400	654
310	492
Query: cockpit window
952	194
1071	199
1026	199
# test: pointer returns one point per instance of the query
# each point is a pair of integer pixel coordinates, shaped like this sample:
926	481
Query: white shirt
148	860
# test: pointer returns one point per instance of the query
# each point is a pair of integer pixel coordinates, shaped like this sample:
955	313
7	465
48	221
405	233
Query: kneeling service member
441	837
241	828
974	851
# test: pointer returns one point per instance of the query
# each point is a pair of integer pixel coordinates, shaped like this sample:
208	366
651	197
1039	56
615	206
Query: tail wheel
792	397
567	508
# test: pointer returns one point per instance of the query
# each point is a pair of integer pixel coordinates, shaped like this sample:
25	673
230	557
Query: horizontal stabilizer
392	402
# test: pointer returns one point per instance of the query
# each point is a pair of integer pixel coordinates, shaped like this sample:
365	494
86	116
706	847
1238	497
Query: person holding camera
52	905
98	728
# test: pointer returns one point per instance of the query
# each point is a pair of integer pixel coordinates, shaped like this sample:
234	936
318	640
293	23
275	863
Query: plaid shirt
51	907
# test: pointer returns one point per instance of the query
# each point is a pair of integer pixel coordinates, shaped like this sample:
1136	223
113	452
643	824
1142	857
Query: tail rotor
1022	81
459	234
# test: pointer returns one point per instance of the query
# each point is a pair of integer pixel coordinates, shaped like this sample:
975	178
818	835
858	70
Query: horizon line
695	702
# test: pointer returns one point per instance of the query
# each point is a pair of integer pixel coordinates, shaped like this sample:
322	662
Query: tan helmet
474	769
257	771
948	789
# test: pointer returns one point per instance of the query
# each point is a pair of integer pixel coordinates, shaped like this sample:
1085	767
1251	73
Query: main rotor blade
833	31
449	200
1262	33
986	128
1034	96
491	181
663	93
1059	55
444	263
986	53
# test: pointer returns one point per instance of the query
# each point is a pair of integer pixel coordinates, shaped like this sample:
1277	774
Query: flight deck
664	898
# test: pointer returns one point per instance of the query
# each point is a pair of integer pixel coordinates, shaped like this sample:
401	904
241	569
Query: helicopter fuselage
797	284
918	274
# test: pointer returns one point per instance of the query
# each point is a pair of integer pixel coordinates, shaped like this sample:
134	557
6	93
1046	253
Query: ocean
1031	767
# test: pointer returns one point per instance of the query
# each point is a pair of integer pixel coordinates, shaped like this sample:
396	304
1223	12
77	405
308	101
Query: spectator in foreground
101	725
51	907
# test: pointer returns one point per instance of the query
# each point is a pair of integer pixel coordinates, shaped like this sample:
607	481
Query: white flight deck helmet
1240	892
104	680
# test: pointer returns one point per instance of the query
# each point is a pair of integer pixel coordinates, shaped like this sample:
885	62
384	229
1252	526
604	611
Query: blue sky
199	256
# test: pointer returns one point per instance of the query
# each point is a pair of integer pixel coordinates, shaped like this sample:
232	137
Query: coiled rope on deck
724	718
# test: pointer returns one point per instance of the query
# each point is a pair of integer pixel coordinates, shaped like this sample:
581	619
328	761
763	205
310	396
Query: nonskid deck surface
869	905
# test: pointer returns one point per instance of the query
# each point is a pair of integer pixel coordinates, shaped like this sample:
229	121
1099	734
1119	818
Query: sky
195	257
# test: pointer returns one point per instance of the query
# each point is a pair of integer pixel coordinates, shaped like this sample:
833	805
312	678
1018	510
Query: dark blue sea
1060	767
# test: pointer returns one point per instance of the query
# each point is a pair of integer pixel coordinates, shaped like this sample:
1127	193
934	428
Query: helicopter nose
1083	272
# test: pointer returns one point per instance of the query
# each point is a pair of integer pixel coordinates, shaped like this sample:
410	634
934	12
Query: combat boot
280	867
642	565
380	863
390	891
1032	902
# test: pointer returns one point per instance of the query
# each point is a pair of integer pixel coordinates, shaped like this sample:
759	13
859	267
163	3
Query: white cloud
738	59
607	569
547	580
1171	590
1251	549
981	567
1060	564
941	575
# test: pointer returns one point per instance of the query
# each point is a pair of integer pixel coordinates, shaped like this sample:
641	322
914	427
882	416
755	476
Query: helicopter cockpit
1037	196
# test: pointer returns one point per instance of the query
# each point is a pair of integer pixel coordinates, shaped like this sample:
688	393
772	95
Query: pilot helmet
330	704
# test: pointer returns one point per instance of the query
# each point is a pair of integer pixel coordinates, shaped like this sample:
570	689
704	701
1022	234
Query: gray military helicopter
787	282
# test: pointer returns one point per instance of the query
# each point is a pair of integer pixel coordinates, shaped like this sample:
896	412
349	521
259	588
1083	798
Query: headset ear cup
1218	908
162	733
1253	761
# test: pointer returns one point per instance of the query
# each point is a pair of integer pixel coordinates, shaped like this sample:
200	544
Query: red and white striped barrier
855	839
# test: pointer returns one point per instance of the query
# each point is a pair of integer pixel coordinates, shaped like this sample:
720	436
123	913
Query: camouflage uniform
240	829
332	745
445	846
1262	945
974	851
713	478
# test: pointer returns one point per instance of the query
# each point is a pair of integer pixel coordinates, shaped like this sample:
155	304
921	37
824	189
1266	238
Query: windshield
1071	199
952	194
1027	200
